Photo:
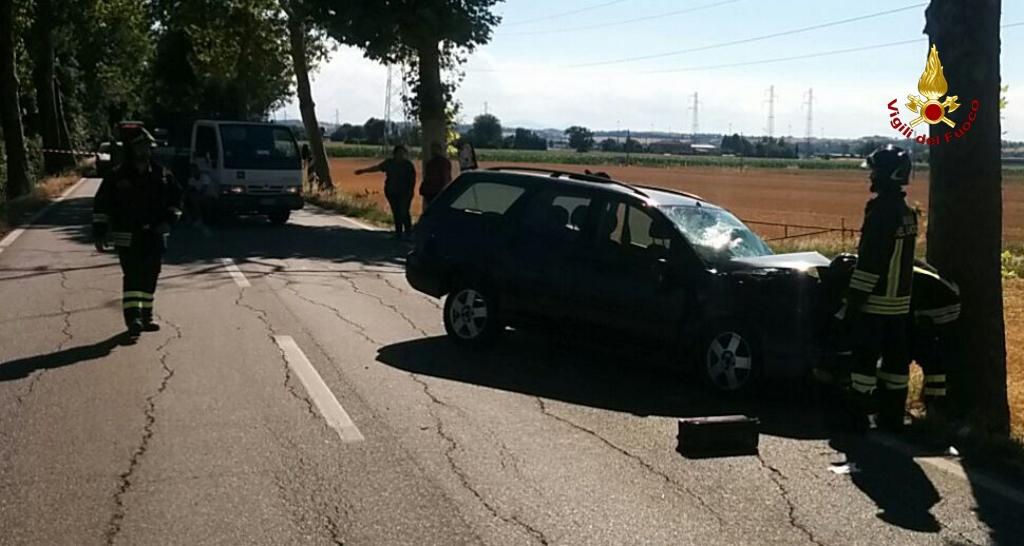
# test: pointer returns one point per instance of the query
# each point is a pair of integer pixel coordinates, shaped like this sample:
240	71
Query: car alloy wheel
729	361
468	314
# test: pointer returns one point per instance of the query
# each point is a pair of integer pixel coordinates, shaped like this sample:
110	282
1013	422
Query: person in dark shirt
399	185
437	174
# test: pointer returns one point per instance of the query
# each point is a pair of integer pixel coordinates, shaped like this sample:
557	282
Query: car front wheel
470	316
729	359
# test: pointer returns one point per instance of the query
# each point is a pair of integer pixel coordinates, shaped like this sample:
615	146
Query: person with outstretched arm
399	186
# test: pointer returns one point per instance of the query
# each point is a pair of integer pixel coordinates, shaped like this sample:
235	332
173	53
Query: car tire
729	359
471	316
279	217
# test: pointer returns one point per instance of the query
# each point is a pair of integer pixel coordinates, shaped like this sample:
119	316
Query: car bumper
260	203
423	277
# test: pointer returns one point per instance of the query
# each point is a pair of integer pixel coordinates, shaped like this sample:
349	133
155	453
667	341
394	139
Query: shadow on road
22	368
608	377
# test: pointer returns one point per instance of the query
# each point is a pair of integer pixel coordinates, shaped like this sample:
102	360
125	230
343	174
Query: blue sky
528	76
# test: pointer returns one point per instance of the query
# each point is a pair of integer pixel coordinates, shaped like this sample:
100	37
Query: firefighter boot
147	321
892	404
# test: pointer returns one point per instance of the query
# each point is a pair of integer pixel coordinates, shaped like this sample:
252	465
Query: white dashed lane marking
318	391
236	274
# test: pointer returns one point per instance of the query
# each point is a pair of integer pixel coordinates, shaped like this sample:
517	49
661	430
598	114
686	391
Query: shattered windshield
716	234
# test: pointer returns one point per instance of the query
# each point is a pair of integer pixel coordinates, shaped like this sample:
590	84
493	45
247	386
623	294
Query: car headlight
292	189
234	189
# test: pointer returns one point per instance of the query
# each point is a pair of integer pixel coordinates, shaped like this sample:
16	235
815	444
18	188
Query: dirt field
826	198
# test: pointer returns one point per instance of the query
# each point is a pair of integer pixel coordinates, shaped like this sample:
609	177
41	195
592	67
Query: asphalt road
206	432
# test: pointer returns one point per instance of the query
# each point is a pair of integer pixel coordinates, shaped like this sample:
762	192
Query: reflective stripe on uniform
941	315
935	378
887	305
174	210
121	238
100	218
863	281
863	384
133	304
934	391
894	381
138	295
893	281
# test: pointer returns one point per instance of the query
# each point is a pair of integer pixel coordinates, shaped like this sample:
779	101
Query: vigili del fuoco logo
930	108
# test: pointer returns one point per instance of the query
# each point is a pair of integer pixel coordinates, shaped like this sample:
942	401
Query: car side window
627	230
558	214
488	197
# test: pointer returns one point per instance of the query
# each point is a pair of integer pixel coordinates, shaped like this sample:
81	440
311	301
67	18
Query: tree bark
431	99
965	194
18	181
297	39
43	61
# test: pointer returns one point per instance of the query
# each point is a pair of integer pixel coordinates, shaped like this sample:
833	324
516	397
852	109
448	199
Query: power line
624	22
749	40
563	14
761	61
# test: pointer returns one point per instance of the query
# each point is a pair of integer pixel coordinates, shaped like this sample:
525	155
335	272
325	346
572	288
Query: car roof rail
693	196
555	173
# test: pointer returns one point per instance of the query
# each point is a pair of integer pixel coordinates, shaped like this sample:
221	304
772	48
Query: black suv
533	247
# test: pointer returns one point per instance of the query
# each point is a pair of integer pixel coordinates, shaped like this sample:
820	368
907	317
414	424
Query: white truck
248	168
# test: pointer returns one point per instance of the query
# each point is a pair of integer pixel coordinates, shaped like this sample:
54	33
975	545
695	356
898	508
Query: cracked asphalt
201	434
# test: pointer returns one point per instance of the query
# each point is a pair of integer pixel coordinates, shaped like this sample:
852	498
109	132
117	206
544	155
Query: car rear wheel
730	359
470	316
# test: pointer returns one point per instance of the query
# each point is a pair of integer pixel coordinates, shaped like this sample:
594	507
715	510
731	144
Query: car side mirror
306	154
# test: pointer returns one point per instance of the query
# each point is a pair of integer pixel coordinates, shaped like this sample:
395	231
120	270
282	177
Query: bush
1013	263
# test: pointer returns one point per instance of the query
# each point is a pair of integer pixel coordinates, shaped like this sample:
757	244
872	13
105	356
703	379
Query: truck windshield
259	147
716	234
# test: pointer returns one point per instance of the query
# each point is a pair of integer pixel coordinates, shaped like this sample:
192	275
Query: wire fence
781	231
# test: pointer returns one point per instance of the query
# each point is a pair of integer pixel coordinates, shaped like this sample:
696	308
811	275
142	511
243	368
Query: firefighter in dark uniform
935	308
878	298
133	210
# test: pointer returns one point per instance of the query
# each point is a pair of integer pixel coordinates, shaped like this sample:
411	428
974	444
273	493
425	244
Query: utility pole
486	108
810	118
337	117
695	127
771	111
387	112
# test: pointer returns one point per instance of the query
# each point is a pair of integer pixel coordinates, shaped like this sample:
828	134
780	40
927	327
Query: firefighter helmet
890	167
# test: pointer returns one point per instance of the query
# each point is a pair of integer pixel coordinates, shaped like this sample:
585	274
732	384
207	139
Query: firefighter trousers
933	348
140	268
882	337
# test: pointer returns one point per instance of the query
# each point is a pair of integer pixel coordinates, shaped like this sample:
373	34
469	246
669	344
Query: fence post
785	230
842	223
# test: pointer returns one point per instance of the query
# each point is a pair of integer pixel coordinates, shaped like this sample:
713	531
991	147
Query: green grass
1012	260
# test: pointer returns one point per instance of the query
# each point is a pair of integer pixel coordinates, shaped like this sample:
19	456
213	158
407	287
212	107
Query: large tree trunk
44	75
18	182
431	99
297	38
965	194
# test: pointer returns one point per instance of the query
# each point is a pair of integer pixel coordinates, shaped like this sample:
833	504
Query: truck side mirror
306	154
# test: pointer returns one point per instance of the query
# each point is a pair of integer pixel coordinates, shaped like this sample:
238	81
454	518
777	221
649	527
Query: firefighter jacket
936	301
881	283
134	209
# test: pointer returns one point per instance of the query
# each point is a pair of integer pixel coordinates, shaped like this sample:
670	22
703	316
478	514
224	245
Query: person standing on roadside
399	186
467	157
436	174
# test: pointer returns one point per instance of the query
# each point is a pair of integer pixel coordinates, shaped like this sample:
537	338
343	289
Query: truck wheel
279	217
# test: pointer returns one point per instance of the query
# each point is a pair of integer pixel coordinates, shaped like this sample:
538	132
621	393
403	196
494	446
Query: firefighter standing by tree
878	299
936	308
133	209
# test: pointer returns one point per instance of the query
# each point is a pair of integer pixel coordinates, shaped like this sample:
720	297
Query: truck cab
250	168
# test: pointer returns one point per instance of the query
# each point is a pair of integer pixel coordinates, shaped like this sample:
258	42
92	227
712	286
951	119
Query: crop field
832	198
565	158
